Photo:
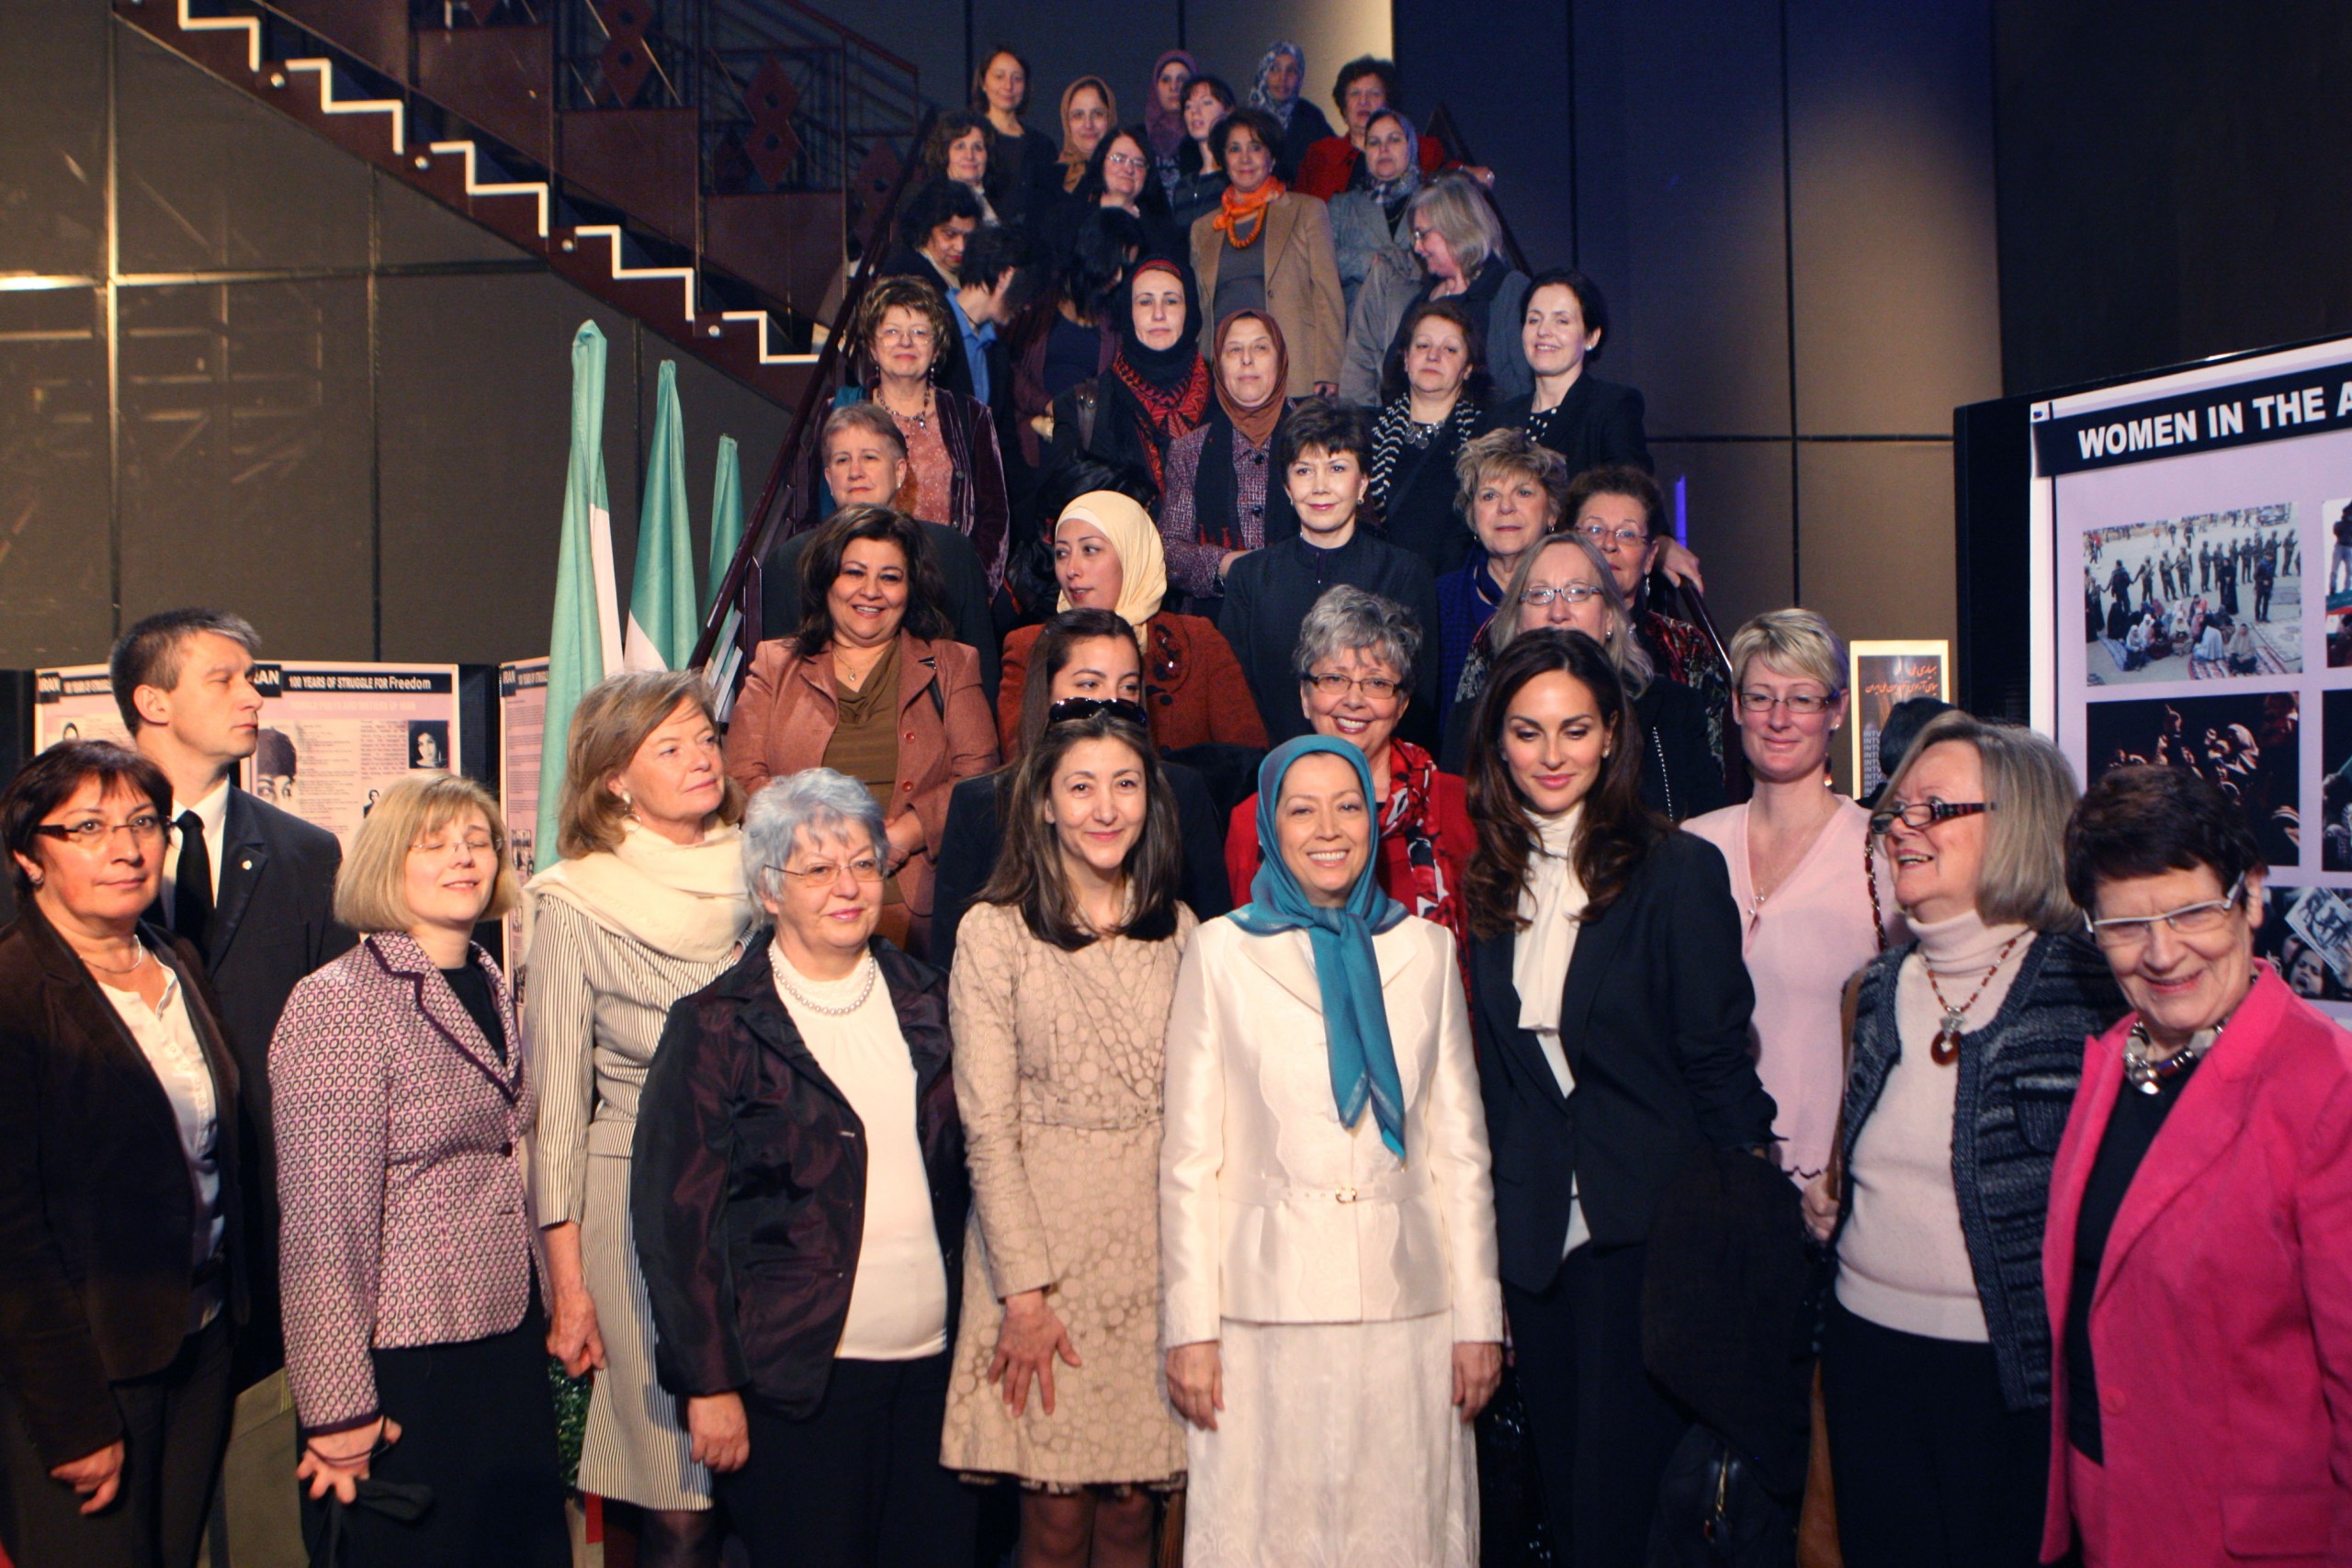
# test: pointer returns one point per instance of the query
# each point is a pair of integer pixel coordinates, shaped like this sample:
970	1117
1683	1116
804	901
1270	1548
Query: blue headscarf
1356	1016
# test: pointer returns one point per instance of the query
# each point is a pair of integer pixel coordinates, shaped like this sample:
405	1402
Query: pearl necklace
783	978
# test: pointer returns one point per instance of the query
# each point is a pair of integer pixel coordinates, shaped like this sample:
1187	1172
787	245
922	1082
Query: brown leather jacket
748	1184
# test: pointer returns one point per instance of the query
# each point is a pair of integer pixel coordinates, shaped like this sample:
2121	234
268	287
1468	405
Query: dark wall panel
211	180
1735	494
52	136
1512	104
1877	548
477	410
248	446
412	230
1891	161
55	571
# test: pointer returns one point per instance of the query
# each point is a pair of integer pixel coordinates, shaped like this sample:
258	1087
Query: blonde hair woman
415	1347
648	905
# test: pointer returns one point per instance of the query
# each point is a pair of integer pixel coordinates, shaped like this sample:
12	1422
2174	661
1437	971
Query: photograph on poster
2336	517
2335	781
1880	675
428	744
276	765
2247	743
2306	932
522	720
345	732
2208	596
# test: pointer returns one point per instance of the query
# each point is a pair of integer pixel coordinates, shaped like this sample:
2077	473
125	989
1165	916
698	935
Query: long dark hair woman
1432	405
1611	1017
1119	178
1059	1000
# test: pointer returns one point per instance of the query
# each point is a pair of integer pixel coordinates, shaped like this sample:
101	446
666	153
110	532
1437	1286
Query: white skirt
1339	1447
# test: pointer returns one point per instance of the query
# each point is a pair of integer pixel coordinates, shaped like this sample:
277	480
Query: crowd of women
1176	1014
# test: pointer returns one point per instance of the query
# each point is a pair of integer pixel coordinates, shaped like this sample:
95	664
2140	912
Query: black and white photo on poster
2247	743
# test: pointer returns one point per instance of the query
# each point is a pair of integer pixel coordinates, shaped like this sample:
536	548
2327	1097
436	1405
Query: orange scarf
1249	211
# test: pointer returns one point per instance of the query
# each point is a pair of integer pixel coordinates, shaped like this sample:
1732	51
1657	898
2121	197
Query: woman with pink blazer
871	687
2198	1259
413	1279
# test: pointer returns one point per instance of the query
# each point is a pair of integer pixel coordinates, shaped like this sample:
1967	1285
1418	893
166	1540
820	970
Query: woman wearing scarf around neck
648	905
1371	223
1282	72
1613	1028
1107	557
1328	1292
1435	403
1267	248
1217	504
1158	387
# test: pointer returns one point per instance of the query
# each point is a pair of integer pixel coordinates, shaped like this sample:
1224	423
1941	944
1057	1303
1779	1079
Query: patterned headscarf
1262	99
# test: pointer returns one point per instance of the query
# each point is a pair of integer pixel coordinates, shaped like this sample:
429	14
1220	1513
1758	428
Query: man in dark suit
250	887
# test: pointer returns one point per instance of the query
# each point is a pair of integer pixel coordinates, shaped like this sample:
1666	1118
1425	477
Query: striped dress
596	1000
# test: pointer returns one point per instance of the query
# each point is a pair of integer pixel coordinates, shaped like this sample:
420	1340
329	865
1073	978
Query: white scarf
684	901
1551	899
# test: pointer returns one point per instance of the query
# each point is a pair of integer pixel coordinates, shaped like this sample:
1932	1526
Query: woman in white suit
1329	1298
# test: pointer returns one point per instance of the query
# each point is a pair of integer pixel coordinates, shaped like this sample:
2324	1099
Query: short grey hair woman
802	1300
1967	1047
1564	584
1356	659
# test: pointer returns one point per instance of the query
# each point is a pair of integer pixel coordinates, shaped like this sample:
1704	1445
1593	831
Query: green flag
585	639
661	619
726	520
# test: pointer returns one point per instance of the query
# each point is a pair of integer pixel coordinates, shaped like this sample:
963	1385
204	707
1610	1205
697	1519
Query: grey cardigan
2017	1084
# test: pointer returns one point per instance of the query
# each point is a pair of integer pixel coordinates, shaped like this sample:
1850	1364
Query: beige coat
1302	286
1271	1211
1059	1062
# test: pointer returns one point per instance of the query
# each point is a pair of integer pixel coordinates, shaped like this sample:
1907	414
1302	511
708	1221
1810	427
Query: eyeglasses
865	868
94	835
2127	933
1574	594
1804	704
1923	814
1379	688
475	844
1125	160
1613	538
1070	708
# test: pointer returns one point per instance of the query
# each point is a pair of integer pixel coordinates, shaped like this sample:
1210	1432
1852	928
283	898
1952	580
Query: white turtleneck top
1902	1263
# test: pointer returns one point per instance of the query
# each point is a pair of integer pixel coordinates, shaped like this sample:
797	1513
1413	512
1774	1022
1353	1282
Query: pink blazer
401	1172
2223	1321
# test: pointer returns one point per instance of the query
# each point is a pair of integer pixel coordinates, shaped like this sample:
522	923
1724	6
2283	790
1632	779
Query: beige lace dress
1057	1072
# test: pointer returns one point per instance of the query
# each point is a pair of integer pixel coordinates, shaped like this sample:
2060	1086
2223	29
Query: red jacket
2222	1322
1330	166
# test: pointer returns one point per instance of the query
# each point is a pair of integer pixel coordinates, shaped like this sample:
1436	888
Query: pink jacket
2222	1324
401	1172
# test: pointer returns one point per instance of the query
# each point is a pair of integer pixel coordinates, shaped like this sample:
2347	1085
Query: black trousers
175	1428
859	1483
1603	1430
1932	1469
477	1422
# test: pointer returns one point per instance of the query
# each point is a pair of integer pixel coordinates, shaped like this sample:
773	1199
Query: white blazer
1273	1211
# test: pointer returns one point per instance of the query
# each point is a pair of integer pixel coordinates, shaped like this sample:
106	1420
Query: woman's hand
1225	564
94	1476
1026	1344
573	1337
905	840
720	1437
1820	1207
1478	1368
1678	564
1196	1383
339	1462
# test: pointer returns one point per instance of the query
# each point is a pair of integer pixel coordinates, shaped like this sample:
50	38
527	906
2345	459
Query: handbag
1712	1512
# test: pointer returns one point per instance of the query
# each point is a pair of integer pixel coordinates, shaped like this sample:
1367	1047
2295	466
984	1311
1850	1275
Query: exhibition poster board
336	735
1878	676
2198	590
75	702
522	720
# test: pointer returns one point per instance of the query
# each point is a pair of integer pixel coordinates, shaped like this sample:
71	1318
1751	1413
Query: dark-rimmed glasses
1922	814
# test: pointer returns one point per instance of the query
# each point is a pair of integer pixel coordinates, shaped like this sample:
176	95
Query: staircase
704	165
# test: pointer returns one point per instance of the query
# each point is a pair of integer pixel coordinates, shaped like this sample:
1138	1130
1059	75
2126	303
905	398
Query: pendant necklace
1946	1049
2149	1078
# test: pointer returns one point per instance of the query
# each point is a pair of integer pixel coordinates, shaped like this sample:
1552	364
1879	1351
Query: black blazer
1599	421
1654	1020
748	1188
272	925
975	835
97	1211
1680	778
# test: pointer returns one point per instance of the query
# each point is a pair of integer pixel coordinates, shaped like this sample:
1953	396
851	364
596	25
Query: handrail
736	589
1443	126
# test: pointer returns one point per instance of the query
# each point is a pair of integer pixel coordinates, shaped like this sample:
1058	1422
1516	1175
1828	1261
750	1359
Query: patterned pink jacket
401	1172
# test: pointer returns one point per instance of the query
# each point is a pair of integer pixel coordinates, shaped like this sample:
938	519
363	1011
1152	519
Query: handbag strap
1849	1008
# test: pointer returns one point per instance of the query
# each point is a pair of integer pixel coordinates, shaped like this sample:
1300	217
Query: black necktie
192	889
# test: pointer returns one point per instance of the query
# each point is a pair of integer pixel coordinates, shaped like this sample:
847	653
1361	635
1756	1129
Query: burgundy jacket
97	1211
748	1184
401	1172
2221	1323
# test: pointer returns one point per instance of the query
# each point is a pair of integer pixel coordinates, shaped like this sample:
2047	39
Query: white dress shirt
166	1037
